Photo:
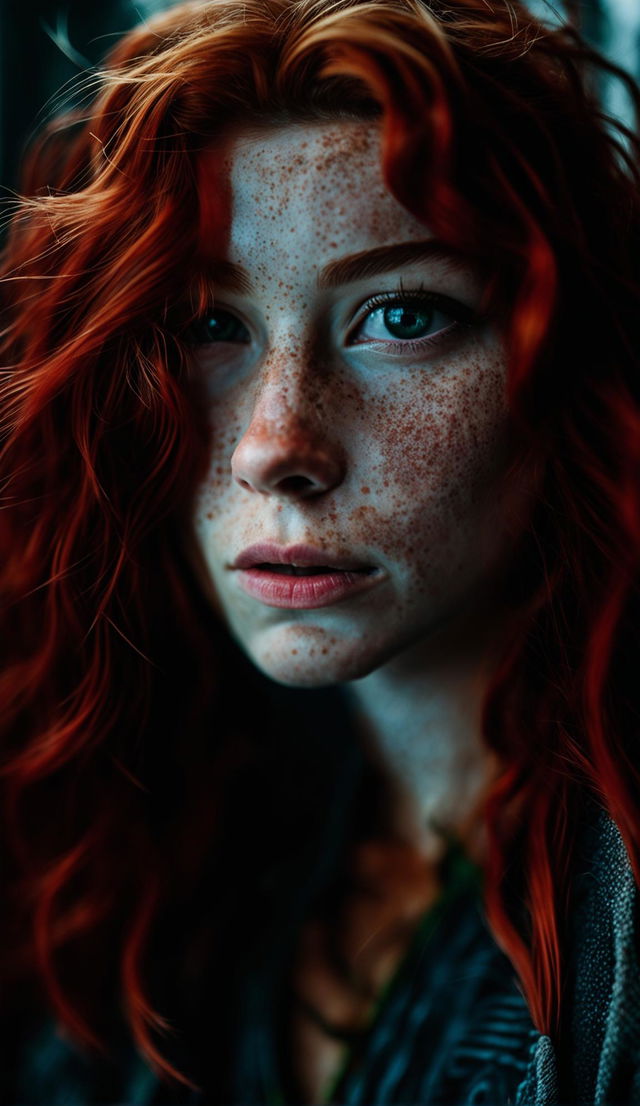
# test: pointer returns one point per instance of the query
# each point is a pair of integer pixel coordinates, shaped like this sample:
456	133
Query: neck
420	720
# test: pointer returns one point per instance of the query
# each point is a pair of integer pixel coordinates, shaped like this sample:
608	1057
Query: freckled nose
286	452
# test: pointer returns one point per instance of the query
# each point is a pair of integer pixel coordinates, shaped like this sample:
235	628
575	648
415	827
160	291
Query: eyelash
463	318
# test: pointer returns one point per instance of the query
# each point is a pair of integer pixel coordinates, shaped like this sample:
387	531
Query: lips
292	557
300	577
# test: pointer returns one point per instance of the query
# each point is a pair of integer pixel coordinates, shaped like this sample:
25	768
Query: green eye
218	326
408	322
415	320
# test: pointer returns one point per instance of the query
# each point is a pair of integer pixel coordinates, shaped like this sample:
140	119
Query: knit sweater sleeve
597	1061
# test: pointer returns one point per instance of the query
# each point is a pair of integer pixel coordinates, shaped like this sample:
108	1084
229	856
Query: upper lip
302	556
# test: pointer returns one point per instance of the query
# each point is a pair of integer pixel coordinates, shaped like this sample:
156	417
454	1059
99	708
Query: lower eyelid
408	345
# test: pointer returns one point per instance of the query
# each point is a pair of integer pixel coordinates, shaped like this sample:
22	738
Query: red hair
490	137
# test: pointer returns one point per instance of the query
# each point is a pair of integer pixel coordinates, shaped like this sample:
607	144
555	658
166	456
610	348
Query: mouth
316	570
301	577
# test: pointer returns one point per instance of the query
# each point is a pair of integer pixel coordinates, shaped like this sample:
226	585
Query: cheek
437	448
446	435
225	428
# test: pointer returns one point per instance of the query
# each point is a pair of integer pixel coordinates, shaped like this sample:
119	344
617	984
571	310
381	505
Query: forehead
317	189
304	157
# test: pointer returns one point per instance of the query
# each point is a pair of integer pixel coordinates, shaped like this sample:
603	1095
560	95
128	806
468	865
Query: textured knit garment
602	1057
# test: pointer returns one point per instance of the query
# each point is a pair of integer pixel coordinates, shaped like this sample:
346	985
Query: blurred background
45	44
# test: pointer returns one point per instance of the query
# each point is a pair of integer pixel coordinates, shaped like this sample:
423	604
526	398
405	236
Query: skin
396	454
326	429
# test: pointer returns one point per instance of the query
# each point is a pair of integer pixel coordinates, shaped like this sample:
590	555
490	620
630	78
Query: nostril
292	465
295	485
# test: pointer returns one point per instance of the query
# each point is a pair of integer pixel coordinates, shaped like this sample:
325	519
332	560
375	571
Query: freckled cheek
451	426
440	449
213	491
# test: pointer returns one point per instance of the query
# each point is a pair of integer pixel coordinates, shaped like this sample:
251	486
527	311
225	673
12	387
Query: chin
313	660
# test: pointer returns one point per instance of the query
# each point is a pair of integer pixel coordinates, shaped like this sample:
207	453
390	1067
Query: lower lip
304	592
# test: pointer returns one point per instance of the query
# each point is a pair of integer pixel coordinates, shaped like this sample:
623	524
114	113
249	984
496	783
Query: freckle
293	652
365	490
209	514
325	650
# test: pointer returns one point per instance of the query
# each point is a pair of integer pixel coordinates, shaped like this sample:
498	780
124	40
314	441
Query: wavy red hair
492	137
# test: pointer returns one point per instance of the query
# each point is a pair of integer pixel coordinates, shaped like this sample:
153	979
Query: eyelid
221	309
459	312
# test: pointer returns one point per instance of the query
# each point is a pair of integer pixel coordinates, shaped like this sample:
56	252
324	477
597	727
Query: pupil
222	327
407	322
219	326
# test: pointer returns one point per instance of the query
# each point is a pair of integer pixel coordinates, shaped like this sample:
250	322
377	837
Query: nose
287	450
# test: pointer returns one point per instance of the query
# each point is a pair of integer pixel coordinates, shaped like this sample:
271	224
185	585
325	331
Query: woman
321	346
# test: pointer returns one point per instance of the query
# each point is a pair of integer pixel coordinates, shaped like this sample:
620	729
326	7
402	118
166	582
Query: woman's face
352	505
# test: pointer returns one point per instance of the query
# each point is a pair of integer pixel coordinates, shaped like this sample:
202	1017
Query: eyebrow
357	266
384	259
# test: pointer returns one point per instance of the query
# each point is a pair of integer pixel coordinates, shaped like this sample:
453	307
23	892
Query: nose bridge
288	390
287	447
288	405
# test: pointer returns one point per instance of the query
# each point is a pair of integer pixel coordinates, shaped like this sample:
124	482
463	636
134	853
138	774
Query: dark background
46	43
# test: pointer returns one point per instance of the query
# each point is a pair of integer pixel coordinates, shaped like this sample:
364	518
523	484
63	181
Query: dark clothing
602	1051
453	1028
